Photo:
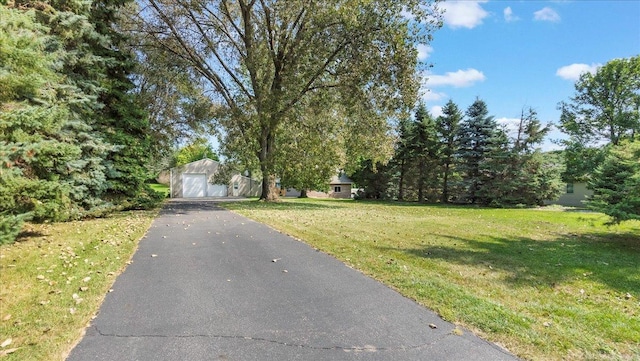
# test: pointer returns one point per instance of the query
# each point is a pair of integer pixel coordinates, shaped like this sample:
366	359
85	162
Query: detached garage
192	180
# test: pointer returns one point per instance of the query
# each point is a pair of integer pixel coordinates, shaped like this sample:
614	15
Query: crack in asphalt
365	348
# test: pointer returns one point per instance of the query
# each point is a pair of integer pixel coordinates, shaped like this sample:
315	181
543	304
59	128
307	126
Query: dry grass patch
55	277
547	285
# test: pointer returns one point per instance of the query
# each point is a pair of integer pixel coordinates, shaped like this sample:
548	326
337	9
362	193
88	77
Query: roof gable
202	162
340	179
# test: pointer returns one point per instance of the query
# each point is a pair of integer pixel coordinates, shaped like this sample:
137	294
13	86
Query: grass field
160	188
54	278
545	284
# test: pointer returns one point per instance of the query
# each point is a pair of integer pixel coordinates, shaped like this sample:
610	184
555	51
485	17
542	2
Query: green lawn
545	284
54	278
160	188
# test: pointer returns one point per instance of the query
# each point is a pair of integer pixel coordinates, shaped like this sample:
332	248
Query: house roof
203	160
340	179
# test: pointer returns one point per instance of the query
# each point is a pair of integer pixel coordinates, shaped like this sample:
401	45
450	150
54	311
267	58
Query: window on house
337	189
569	188
235	185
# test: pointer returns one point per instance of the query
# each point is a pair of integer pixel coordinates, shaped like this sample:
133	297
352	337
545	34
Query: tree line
74	139
468	158
465	158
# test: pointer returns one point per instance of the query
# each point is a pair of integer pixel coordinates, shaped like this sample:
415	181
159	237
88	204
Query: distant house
192	180
339	187
574	196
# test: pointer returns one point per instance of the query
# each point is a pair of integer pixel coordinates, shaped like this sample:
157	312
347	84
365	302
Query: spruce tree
424	147
616	183
122	120
401	163
477	137
531	177
447	126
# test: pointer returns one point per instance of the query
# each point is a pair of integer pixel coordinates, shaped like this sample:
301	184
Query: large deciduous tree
263	58
198	149
604	110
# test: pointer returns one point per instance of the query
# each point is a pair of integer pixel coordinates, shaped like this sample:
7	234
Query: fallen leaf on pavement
432	325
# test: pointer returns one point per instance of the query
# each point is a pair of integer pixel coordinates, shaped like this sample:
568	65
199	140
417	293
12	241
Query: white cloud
436	111
546	14
572	72
508	15
458	79
429	96
510	125
424	51
463	14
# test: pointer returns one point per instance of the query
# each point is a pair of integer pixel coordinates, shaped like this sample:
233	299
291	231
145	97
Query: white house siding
217	190
206	167
242	186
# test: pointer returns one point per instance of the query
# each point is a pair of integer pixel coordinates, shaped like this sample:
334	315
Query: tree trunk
269	190
445	184
303	194
421	182
267	149
401	182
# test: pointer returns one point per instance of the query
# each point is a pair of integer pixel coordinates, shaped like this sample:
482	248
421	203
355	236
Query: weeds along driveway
208	284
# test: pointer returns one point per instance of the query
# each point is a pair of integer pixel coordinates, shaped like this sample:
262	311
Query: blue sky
520	54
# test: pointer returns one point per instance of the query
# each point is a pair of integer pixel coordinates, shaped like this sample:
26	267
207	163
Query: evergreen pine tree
401	162
122	120
424	147
477	138
447	126
616	183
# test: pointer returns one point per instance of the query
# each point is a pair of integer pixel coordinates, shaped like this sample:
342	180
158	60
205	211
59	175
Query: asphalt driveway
208	284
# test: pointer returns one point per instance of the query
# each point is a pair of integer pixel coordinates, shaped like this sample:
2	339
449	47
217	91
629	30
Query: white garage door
194	185
217	190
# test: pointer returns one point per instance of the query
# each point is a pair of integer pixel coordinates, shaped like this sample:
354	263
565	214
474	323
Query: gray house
192	180
339	187
574	196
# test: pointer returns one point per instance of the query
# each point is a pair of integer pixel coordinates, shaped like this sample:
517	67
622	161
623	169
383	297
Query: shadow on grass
287	205
611	259
29	234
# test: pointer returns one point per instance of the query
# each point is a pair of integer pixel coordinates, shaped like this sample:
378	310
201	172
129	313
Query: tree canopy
605	109
602	120
262	59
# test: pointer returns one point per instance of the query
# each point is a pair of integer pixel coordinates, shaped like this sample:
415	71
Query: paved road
203	285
